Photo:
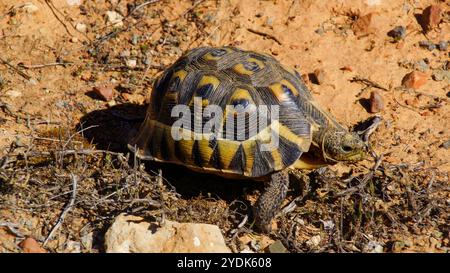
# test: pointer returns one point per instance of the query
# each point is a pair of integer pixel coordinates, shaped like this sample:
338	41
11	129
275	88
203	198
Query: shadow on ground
112	128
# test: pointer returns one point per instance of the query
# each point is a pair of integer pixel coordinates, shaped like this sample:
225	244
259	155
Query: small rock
277	247
80	27
431	16
414	79
269	22
328	224
446	144
32	81
319	76
346	68
421	65
366	24
105	92
376	102
428	45
74	2
111	103
29	245
133	234
314	241
442	45
135	39
125	54
131	63
373	2
30	8
13	93
440	75
373	247
114	18
398	33
74	40
320	30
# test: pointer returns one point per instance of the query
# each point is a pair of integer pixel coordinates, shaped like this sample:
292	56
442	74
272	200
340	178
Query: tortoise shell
246	80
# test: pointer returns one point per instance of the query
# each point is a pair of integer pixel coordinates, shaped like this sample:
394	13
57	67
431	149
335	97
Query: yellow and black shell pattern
229	76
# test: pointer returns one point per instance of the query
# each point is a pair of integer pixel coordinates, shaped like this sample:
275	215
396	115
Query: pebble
74	40
30	245
105	92
398	33
125	54
414	79
30	8
314	241
135	39
442	45
131	63
421	65
446	144
346	68
366	24
428	45
373	2
431	16
269	22
13	93
114	18
376	102
440	75
320	31
319	76
80	27
74	2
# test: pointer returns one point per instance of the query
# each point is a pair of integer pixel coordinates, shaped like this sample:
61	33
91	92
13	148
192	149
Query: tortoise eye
251	66
346	148
218	52
204	90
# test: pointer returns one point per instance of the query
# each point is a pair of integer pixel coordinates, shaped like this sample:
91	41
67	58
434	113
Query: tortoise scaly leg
269	203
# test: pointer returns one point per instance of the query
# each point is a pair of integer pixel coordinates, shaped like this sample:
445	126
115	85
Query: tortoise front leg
269	203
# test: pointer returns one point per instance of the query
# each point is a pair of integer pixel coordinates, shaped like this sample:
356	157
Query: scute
229	76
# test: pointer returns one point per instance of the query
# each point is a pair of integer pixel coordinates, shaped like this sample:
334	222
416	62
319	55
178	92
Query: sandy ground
305	34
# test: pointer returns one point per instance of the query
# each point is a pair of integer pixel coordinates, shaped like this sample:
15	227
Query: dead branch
365	179
266	35
18	71
66	209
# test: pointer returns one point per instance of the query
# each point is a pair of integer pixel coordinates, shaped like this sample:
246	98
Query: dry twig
66	209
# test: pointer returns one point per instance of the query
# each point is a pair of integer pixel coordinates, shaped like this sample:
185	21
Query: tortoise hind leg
270	200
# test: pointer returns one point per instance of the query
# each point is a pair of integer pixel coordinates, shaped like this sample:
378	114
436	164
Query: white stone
132	234
74	2
131	63
13	93
80	27
314	241
30	7
114	18
373	2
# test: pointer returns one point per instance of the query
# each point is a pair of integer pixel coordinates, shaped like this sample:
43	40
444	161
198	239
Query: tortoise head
340	145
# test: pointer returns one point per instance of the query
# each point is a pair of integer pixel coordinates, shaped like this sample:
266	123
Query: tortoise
238	82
